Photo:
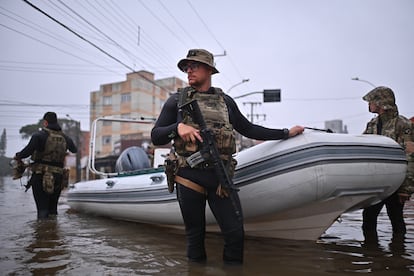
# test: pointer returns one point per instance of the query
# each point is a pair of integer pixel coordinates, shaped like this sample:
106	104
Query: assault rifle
209	152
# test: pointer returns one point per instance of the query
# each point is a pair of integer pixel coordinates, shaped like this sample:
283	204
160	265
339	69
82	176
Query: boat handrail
91	157
143	171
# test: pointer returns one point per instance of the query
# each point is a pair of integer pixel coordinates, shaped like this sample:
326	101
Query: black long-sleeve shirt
165	128
38	142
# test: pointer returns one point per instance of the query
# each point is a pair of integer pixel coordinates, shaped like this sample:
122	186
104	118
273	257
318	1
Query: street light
79	152
358	79
269	95
243	81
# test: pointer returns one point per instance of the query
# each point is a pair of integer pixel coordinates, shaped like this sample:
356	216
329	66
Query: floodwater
78	244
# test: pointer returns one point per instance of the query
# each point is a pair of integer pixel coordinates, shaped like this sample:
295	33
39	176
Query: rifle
209	152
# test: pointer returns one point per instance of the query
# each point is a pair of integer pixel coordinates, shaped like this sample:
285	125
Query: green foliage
69	127
5	169
3	143
28	130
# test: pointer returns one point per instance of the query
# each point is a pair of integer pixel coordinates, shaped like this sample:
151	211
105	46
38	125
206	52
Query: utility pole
269	95
251	115
79	146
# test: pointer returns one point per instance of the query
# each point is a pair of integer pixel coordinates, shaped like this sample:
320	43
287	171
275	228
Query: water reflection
80	244
371	255
382	258
49	252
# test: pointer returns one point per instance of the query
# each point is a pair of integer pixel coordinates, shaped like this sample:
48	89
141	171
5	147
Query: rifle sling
190	184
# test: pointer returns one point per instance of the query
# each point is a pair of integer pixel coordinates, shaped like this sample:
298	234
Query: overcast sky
308	49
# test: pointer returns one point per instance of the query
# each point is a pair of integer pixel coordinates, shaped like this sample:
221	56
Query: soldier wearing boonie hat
199	183
389	123
198	55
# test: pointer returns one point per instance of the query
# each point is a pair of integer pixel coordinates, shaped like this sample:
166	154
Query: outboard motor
132	159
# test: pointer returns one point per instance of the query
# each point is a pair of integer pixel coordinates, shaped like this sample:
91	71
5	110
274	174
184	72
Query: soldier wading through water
381	100
196	185
47	148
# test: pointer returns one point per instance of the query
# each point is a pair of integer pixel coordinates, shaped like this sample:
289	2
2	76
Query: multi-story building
140	96
336	126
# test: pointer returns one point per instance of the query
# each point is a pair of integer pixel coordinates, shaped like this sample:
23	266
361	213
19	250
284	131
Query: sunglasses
191	65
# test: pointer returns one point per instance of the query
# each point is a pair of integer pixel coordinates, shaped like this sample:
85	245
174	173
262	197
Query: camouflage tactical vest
55	148
401	130
215	113
395	126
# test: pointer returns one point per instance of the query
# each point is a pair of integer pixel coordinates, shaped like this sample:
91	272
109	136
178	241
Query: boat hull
293	189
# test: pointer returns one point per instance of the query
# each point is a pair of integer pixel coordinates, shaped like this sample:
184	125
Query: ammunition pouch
48	178
231	167
48	182
171	168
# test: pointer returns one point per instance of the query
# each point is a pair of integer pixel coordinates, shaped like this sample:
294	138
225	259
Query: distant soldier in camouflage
47	149
389	123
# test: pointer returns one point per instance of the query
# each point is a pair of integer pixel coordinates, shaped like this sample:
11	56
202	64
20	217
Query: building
140	96
336	126
71	159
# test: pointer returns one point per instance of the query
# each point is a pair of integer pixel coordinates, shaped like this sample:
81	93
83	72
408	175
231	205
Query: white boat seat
132	159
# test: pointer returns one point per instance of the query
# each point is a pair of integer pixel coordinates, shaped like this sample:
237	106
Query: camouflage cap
381	96
199	55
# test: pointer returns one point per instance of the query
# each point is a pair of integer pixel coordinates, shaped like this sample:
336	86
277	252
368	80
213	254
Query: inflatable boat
291	189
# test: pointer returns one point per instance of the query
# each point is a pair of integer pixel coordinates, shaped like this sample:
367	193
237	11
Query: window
116	87
125	97
107	100
106	140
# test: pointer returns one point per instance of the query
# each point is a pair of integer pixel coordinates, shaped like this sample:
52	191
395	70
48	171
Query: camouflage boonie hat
198	55
381	96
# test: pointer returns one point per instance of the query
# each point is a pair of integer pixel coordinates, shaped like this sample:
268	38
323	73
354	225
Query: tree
5	168
3	143
68	126
28	130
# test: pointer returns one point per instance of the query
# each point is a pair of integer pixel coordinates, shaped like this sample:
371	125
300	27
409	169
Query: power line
33	25
52	46
122	28
155	50
112	26
89	42
78	35
94	27
162	23
205	25
177	22
215	38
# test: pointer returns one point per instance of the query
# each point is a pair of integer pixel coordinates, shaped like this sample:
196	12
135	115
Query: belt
189	184
42	168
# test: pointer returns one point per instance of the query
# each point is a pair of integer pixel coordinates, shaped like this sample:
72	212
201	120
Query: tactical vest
395	126
216	115
55	149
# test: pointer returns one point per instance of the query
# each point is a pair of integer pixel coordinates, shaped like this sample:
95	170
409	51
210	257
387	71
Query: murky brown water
77	244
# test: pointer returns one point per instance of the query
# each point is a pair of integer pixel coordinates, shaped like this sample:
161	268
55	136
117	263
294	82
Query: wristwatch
285	133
